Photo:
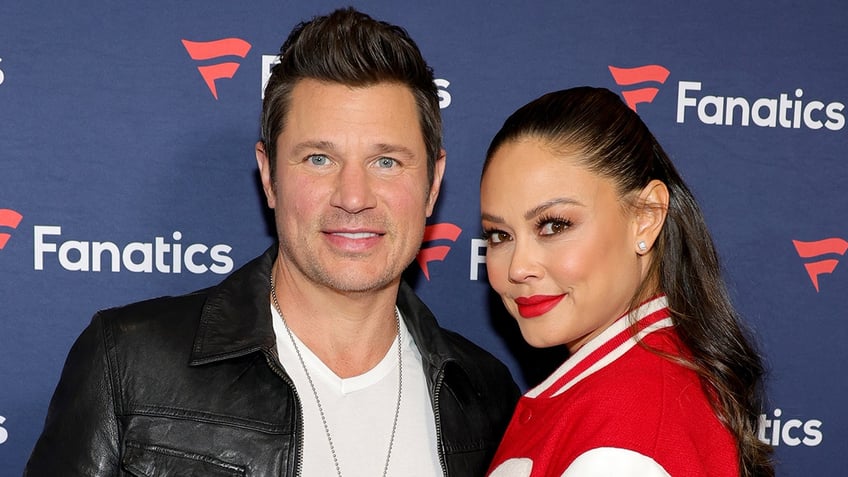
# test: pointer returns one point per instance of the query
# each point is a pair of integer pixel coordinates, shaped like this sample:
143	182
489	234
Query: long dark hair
611	140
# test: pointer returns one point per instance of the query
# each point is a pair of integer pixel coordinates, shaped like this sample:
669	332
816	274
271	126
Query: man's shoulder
466	350
477	364
152	330
170	314
439	345
154	313
482	386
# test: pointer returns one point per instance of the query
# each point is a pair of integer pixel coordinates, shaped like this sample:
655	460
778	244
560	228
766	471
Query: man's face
351	194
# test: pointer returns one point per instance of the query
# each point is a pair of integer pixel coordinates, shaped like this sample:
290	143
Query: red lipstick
533	306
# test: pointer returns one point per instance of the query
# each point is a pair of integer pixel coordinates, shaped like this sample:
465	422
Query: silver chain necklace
315	392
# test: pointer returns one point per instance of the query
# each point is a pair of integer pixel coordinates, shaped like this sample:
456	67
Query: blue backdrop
127	131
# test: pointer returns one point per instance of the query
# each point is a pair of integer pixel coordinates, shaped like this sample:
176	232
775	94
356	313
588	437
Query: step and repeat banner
127	168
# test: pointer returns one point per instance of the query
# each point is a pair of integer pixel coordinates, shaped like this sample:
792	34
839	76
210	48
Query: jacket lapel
236	318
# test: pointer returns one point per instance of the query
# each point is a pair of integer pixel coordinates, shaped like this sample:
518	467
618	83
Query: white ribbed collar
605	348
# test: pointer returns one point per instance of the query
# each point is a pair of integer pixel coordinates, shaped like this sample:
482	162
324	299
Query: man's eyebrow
378	149
321	145
383	148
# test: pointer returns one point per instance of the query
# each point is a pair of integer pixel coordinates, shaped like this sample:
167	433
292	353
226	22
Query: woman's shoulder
645	384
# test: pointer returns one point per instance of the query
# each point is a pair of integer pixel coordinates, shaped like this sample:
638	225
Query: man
314	359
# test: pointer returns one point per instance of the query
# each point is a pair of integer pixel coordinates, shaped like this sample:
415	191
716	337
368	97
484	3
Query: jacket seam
115	390
228	467
207	417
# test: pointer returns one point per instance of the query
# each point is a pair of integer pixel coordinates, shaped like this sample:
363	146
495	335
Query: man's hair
349	47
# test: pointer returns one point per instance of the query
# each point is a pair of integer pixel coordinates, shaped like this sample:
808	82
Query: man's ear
652	208
438	175
264	164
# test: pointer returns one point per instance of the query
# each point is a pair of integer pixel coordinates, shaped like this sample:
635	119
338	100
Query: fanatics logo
818	250
8	219
635	76
444	231
212	50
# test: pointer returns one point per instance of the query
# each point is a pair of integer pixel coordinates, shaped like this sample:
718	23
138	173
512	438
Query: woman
595	242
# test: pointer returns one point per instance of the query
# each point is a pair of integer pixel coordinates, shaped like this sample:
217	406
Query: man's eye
318	159
386	162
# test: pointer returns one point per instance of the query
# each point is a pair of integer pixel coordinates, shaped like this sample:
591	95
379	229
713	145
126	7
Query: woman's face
562	246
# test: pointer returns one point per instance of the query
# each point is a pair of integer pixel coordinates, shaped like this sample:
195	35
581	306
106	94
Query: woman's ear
652	208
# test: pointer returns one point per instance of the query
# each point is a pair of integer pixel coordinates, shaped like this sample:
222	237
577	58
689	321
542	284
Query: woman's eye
553	227
496	236
318	160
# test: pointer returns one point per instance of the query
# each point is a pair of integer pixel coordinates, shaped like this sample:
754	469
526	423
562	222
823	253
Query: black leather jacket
191	385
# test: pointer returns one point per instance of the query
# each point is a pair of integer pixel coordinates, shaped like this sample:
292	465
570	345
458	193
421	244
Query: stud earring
643	247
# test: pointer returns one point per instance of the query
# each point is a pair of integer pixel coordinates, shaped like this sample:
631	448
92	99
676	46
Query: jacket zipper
299	443
437	414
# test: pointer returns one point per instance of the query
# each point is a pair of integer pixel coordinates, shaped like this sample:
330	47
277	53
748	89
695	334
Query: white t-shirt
360	411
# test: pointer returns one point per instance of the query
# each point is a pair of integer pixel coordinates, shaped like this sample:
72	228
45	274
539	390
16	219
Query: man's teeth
356	235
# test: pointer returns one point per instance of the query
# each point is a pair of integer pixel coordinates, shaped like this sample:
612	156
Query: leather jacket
191	385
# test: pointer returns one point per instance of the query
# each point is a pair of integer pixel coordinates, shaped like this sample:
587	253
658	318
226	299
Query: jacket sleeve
614	461
80	436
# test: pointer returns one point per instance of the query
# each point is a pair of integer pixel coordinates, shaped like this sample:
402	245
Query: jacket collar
236	318
606	348
429	337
